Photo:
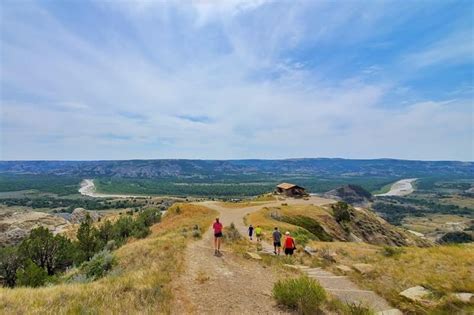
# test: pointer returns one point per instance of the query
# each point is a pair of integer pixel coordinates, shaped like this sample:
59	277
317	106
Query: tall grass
143	286
302	294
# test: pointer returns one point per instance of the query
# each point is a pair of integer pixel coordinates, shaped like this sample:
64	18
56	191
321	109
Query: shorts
219	234
289	251
258	235
277	244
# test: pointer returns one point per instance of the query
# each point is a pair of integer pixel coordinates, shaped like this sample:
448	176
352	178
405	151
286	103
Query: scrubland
141	283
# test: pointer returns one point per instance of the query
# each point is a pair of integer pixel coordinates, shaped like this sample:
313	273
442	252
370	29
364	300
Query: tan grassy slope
140	284
318	222
442	269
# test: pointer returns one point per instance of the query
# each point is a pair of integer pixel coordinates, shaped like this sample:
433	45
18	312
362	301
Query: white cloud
209	84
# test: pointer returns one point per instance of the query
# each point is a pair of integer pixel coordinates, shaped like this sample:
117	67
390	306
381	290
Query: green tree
52	253
10	261
87	241
149	216
123	228
31	275
140	229
105	233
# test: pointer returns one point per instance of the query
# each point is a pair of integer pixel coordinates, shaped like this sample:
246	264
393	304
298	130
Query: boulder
310	251
363	268
417	293
464	296
344	269
354	238
254	256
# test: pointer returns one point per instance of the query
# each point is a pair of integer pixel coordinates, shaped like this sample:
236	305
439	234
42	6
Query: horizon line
242	159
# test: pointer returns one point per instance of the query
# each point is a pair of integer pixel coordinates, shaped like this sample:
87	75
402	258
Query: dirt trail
231	284
228	284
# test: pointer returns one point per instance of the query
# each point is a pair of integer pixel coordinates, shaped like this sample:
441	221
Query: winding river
88	189
401	188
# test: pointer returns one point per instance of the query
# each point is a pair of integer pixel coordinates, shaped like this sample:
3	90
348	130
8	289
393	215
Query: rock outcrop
352	194
79	215
16	225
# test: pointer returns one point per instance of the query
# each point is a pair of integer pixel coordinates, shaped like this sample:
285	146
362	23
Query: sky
236	79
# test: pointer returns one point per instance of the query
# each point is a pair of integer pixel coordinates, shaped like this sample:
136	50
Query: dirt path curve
228	284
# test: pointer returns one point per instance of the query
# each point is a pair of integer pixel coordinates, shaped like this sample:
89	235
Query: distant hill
209	169
352	194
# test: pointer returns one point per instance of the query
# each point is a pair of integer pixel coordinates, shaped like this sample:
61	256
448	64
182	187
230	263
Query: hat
287	233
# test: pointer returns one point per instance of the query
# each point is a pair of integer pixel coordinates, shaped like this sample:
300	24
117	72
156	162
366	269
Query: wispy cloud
240	79
456	48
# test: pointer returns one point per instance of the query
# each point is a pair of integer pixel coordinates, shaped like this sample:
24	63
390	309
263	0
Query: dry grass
434	223
458	200
443	269
240	204
264	218
260	200
141	284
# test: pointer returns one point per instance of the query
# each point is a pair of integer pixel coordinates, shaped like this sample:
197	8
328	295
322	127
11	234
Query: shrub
302	237
341	212
302	294
358	309
111	245
99	265
140	229
196	232
231	233
149	216
345	308
10	261
327	255
123	228
316	231
391	251
456	237
31	275
105	233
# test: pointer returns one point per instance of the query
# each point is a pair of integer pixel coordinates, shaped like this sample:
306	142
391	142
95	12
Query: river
401	188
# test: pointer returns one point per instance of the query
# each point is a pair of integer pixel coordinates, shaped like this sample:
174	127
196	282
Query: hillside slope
219	168
352	194
334	223
142	283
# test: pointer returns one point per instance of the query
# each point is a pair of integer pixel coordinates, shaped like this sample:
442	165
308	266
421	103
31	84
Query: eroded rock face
15	225
79	215
352	194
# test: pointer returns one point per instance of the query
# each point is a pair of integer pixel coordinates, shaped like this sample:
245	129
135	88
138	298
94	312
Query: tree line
42	256
71	203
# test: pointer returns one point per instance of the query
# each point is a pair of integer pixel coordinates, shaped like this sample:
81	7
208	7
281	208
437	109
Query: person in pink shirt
217	226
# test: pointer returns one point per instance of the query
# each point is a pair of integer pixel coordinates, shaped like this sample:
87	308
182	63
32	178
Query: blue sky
236	79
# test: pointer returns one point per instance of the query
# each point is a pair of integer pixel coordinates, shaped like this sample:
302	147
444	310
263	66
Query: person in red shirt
217	226
289	244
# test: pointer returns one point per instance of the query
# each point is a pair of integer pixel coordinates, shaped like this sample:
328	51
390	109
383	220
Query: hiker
250	231
289	244
276	241
217	226
258	233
